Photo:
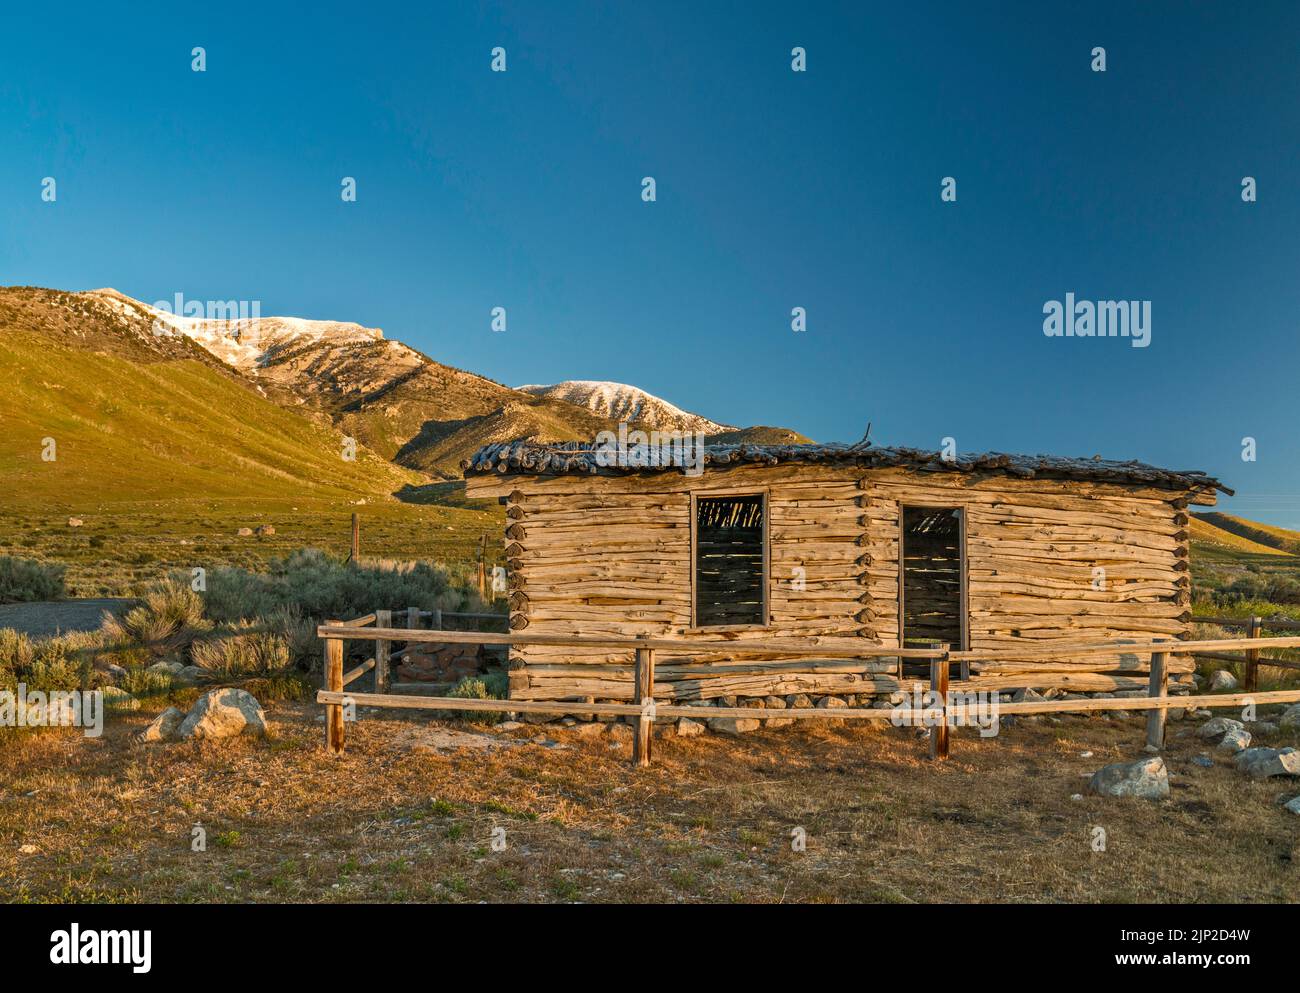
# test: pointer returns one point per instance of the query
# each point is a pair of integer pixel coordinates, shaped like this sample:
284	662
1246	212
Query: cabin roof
534	458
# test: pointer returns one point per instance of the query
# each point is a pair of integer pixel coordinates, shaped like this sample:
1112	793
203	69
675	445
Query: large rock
1293	805
1290	717
164	727
1146	778
687	728
1261	763
1236	740
831	703
1218	727
223	713
733	725
1222	679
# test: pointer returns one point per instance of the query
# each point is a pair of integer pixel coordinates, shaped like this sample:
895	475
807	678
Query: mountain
135	415
395	400
619	402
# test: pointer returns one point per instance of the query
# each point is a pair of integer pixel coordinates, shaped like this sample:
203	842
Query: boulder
1261	763
1236	740
75	522
165	726
1293	805
1290	717
831	703
190	674
1145	778
223	713
1026	694
265	530
687	728
1204	761
799	701
1222	680
733	725
245	532
1218	727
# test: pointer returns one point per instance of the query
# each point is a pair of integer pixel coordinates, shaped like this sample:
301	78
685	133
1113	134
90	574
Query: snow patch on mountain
620	402
234	335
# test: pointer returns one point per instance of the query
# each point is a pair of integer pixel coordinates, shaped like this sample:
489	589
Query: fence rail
1251	660
942	716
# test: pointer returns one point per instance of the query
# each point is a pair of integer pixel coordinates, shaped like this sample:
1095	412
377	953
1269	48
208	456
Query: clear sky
776	190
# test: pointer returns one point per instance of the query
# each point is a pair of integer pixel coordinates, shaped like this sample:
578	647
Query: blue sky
775	189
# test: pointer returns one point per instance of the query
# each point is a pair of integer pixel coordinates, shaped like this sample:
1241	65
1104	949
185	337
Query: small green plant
228	839
492	686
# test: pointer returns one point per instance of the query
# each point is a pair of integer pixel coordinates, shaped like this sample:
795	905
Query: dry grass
710	821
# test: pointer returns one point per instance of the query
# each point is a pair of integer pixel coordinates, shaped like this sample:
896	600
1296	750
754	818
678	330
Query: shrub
316	585
249	651
170	617
492	686
25	580
61	663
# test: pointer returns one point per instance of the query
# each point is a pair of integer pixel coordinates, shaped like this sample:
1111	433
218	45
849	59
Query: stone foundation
432	663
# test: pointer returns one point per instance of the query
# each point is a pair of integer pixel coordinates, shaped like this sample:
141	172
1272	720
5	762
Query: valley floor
119	549
110	819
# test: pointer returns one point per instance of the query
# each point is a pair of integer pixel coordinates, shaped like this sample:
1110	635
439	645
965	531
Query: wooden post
1251	676
355	558
1158	687
435	622
383	682
482	568
334	684
645	681
939	685
413	618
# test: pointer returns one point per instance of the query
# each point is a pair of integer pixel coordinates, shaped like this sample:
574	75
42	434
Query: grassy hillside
1267	535
130	431
1217	543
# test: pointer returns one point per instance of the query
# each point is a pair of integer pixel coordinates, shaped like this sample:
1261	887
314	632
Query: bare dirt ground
396	819
50	617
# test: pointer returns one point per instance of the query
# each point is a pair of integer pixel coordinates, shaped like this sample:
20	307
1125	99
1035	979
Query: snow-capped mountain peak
234	331
620	402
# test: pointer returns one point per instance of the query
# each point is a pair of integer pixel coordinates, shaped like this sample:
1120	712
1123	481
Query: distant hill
135	416
1280	541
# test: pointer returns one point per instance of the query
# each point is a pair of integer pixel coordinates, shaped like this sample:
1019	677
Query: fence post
939	686
644	694
435	622
383	619
1158	687
334	684
1251	676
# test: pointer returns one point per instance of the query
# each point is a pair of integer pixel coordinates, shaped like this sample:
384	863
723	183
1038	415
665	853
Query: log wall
590	555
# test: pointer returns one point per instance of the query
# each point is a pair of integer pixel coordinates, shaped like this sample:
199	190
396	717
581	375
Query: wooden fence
1251	660
941	717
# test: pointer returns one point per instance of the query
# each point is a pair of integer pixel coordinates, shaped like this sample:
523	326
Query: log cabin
895	547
